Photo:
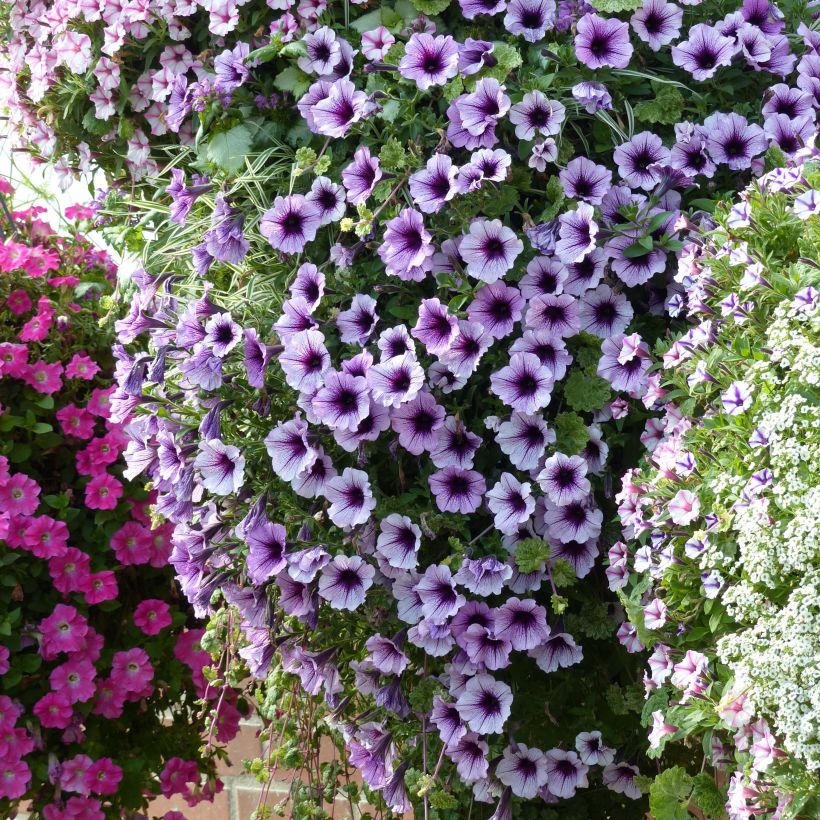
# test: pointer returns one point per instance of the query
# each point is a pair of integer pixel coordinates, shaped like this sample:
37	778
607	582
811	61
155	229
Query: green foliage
227	149
665	108
669	794
585	393
571	433
531	554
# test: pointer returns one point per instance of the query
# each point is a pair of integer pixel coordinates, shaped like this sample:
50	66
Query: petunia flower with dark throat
291	223
704	52
524	384
429	60
602	42
344	582
351	499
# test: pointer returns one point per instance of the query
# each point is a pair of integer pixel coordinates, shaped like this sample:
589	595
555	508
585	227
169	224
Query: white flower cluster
776	664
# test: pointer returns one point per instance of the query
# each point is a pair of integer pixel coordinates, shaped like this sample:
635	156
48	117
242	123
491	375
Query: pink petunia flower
20	495
54	710
103	492
81	366
44	378
100	586
76	421
152	616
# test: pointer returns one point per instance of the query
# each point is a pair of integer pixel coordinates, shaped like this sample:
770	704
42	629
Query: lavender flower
484	705
657	23
288	447
704	52
359	320
407	249
522	623
429	60
361	176
523	439
593	96
602	41
733	140
433	186
577	234
436	328
536	114
329	199
344	582
490	249
563	479
496	307
523	769
305	360
457	490
511	502
221	467
398	542
266	551
291	223
417	423
439	597
565	773
530	18
635	160
584	179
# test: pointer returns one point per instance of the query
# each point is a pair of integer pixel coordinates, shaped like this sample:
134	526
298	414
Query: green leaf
586	393
664	109
531	554
47	402
669	795
617	6
42	427
431	8
228	149
637	249
293	80
708	796
571	433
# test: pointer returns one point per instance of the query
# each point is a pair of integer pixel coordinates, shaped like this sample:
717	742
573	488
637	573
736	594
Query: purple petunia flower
440	600
361	176
467	348
787	133
592	96
322	51
523	439
511	502
563	479
483	576
484	649
266	551
257	356
536	114
525	384
305	360
296	317
602	41
481	109
489	249
704	52
342	402
351	499
627	374
290	224
604	313
203	369
689	155
417	423
732	140
550	350
230	68
221	467
406	249
399	541
523	769
657	23
455	446
335	114
620	778
573	521
359	320
580	555
793	102
530	18
429	60
395	381
496	307
473	55
584	179
577	234
385	655
226	240
445	717
484	704
636	157
544	275
737	398
288	447
472	8
435	640
557	652
558	315
436	328
222	334
469	753
329	199
305	564
344	582
434	185
457	490
522	622
634	270
565	773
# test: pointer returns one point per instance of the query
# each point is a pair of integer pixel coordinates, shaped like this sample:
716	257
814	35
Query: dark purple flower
266	551
469	753
733	141
455	445
417	423
436	328
523	439
399	541
344	106
359	320
485	704
291	223
584	179
457	490
490	249
524	384
288	447
440	600
329	199
496	307
602	41
523	769
577	233
342	402
657	23
530	18
361	176
636	158
511	502
704	52
603	312
558	315
406	249
557	652
592	96
761	14
473	55
434	185
536	114
470	344
351	500
429	60
563	479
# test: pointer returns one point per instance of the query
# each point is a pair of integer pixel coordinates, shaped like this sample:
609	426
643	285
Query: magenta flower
602	41
152	615
103	492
